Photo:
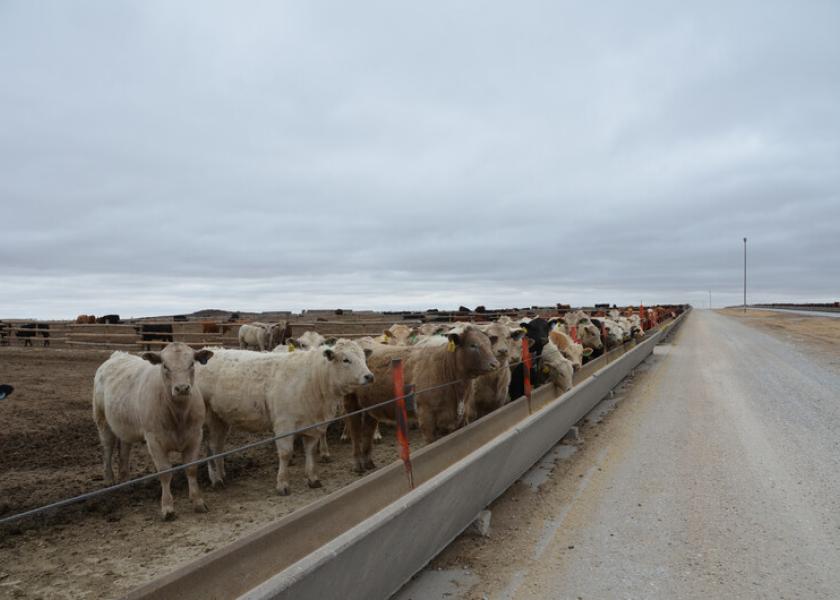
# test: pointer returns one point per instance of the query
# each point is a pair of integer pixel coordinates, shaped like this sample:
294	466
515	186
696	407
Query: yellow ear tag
451	346
291	347
546	370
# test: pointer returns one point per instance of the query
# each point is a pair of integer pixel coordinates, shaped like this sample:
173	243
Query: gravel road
718	476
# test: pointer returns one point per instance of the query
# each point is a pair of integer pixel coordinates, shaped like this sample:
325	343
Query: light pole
745	274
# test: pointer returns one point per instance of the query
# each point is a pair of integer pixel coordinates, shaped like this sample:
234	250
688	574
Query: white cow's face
308	340
177	366
589	335
348	365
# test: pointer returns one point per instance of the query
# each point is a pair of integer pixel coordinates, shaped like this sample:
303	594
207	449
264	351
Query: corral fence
151	334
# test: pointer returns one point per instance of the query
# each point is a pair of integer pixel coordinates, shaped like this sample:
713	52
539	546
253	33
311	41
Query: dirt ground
820	336
49	449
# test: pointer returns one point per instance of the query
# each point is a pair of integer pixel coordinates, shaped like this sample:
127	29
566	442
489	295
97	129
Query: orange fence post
573	333
402	419
526	360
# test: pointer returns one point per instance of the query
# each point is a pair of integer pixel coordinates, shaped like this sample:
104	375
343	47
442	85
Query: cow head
473	350
348	365
557	367
307	341
589	334
177	366
504	342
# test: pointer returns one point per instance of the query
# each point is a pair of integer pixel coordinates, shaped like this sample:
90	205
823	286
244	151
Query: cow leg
217	431
377	437
161	459
426	420
125	458
353	425
108	439
324	449
190	454
284	451
309	443
369	425
345	433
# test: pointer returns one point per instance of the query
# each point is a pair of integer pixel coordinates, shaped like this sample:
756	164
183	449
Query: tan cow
152	399
557	367
278	392
490	391
440	410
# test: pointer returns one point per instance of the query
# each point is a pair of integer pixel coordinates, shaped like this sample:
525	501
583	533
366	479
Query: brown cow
467	355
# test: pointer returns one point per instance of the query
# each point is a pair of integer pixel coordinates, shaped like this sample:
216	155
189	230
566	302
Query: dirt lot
49	450
819	336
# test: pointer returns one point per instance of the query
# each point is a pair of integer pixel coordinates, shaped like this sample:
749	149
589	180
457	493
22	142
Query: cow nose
182	388
369	378
494	365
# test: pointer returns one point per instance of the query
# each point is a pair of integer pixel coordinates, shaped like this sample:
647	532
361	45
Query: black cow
156	331
6	391
536	331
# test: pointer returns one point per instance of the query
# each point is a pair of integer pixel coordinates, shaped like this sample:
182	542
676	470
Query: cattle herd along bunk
292	383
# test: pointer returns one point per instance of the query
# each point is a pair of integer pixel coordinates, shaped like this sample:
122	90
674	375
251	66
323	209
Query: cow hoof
168	514
314	483
200	506
369	465
326	458
283	490
359	469
218	484
377	439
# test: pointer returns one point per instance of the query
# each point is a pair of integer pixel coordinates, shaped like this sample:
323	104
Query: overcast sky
164	157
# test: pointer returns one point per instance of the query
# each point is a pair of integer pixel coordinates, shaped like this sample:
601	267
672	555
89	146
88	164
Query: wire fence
256	444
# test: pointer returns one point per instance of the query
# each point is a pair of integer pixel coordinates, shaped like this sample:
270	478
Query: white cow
256	335
278	392
152	399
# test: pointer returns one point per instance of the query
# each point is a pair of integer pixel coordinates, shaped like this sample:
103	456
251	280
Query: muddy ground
49	449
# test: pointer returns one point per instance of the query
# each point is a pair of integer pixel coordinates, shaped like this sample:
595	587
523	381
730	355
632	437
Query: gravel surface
717	476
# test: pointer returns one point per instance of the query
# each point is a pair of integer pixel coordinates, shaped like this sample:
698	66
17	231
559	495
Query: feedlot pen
49	449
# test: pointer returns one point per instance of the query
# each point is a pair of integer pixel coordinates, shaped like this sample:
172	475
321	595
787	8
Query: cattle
399	335
27	331
85	320
445	371
108	320
6	391
152	398
557	368
279	392
587	332
570	349
615	333
254	335
209	327
156	332
490	391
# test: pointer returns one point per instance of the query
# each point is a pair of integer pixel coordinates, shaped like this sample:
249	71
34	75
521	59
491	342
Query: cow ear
368	353
202	356
516	334
152	357
330	341
387	333
329	353
454	338
293	342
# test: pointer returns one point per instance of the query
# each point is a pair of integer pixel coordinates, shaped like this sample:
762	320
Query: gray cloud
164	158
